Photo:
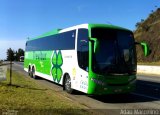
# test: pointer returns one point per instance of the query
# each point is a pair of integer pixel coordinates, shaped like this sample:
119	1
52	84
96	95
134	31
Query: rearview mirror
145	48
96	44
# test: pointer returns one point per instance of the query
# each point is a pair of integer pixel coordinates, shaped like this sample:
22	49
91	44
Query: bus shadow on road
146	91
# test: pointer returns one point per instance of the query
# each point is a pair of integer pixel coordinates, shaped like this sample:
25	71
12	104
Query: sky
20	19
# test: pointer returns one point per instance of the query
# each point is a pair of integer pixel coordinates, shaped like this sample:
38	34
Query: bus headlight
99	82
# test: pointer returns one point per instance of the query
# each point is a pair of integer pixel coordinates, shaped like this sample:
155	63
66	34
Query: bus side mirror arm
96	44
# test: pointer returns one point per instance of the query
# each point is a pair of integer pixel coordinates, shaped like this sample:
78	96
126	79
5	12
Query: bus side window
83	49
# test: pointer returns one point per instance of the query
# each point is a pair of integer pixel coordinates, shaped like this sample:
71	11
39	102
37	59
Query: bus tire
67	84
33	73
29	71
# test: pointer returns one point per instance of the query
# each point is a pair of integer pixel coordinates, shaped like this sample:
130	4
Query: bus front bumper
116	89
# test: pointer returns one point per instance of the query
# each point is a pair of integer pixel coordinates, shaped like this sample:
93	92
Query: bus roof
56	31
107	26
89	25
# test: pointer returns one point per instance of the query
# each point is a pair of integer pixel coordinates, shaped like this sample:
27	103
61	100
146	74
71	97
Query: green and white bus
92	58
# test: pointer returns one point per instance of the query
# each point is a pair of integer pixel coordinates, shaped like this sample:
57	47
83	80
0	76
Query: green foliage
14	55
20	52
10	55
139	23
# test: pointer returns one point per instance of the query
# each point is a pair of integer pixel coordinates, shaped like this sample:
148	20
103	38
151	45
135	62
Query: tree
20	52
138	24
14	56
10	55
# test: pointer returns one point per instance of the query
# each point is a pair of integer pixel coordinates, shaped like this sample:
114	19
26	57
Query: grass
25	96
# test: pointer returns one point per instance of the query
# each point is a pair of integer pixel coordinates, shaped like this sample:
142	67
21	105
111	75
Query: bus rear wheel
33	75
67	84
29	71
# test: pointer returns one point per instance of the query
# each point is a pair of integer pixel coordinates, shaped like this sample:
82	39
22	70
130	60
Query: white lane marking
146	96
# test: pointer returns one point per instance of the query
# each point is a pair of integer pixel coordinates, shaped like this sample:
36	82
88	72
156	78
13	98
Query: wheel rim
33	73
68	84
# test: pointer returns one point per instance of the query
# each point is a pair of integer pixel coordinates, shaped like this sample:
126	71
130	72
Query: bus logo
57	62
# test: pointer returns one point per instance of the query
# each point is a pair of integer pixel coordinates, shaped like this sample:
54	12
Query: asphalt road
146	96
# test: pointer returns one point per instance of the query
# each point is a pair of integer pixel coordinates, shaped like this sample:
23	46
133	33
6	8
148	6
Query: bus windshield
116	52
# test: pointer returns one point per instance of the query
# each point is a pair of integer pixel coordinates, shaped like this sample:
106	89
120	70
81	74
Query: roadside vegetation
25	96
0	62
148	31
150	63
14	55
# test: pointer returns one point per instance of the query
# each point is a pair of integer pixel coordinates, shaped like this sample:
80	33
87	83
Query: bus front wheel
67	84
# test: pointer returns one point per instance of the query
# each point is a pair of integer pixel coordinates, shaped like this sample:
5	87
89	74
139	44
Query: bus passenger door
83	57
83	71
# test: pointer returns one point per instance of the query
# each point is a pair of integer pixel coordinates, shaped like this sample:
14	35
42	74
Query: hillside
149	31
